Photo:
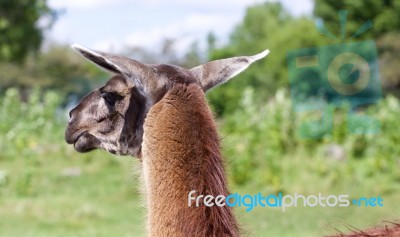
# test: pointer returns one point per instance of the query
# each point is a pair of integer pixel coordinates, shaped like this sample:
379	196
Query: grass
40	198
299	175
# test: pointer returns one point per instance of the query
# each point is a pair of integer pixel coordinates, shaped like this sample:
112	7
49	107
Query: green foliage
265	26
383	14
263	141
385	19
389	49
24	124
20	31
258	135
269	25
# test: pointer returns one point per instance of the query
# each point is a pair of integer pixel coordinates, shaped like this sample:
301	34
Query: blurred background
48	189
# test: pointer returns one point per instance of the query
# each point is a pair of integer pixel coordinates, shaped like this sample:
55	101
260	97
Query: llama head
112	116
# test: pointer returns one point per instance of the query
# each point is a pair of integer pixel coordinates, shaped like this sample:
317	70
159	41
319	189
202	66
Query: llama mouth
79	136
71	136
86	142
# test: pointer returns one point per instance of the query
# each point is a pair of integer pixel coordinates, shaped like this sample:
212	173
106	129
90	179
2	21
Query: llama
159	114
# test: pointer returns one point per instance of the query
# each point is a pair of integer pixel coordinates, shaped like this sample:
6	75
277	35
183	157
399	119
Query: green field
37	199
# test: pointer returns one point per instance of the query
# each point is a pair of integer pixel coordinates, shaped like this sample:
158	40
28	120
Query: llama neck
181	153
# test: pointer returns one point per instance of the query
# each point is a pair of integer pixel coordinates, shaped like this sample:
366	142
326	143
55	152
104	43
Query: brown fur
390	230
181	153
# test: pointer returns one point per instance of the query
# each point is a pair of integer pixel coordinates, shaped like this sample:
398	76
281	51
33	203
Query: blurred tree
389	51
167	54
192	58
385	15
21	27
57	68
140	54
265	26
211	41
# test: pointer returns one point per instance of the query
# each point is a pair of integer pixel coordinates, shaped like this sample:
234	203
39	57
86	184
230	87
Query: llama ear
217	72
131	69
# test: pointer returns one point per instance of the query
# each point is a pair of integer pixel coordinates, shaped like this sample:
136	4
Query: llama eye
110	98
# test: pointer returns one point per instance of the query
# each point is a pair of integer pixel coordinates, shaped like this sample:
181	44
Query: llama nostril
70	113
70	117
